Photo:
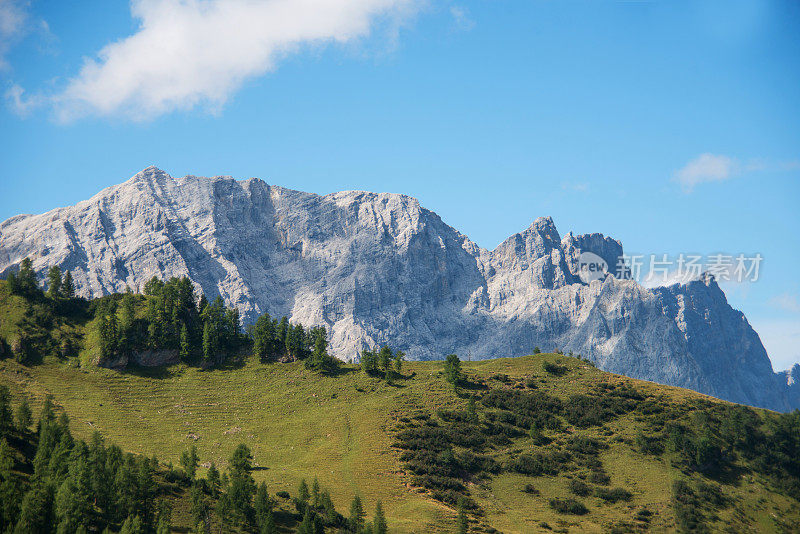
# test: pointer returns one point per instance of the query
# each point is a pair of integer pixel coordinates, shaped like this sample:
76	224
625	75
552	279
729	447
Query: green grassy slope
359	434
341	429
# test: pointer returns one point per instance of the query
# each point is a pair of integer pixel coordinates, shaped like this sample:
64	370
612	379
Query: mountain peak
375	268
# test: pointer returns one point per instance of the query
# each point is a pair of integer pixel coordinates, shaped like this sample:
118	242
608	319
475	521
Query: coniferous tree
302	491
126	322
315	492
369	361
208	343
132	525
26	283
212	477
10	495
163	517
189	461
452	369
357	515
36	511
202	303
385	360
242	486
307	525
462	522
262	506
67	286
399	357
54	282
379	522
6	419
281	331
200	508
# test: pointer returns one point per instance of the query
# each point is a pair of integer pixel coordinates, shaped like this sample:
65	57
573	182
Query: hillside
545	442
536	443
379	268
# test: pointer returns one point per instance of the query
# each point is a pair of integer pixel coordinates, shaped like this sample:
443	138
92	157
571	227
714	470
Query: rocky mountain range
379	268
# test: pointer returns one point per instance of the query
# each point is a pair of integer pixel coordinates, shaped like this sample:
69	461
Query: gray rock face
378	268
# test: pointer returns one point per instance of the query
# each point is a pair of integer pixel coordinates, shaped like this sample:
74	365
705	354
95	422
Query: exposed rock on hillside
378	268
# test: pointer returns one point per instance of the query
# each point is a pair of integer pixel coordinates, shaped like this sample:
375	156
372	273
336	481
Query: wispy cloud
198	53
786	302
462	18
14	17
578	187
719	168
706	168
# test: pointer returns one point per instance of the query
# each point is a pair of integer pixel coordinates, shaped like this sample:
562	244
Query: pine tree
357	514
385	360
262	506
399	357
10	494
202	303
463	522
67	286
36	511
452	369
189	461
379	522
307	526
212	477
54	282
132	525
26	279
208	343
242	486
302	491
126	322
6	419
315	492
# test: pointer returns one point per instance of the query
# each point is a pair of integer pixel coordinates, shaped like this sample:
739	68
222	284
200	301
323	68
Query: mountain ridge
380	268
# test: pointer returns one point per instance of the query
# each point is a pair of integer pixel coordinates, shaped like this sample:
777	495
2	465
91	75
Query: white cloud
197	53
667	278
786	302
13	25
706	168
718	168
462	18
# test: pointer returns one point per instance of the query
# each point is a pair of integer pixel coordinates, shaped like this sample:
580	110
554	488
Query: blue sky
672	126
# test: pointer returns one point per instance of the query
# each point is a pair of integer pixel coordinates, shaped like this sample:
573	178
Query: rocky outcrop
379	268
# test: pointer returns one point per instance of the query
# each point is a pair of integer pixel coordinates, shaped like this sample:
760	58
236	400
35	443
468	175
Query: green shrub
568	506
555	369
613	495
579	487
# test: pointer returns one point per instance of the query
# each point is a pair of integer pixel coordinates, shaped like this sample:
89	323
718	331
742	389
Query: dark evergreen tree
462	521
212	477
357	515
68	286
189	461
6	419
302	491
54	282
10	494
36	511
385	360
379	522
452	369
26	283
242	486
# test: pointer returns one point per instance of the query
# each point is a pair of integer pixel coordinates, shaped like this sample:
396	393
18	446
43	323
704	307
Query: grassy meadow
341	429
